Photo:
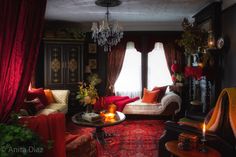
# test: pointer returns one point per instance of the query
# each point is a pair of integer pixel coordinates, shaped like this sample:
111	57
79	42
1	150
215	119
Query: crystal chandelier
107	34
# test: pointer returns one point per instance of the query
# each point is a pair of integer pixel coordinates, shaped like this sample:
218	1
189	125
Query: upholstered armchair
52	128
222	138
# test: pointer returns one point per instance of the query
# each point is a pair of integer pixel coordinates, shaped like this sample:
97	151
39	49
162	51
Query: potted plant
17	140
193	39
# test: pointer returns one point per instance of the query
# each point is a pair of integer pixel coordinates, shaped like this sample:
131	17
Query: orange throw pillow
49	96
150	96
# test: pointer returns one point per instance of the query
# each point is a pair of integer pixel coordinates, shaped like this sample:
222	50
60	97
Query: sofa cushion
37	93
33	106
60	107
46	111
140	108
150	96
162	92
49	96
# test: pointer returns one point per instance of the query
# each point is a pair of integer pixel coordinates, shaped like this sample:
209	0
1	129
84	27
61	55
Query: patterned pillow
37	93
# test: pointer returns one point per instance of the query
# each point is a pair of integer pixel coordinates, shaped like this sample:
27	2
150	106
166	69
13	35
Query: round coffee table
99	133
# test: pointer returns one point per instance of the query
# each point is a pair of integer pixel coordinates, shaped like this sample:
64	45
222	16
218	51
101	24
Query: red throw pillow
33	106
37	93
150	96
162	92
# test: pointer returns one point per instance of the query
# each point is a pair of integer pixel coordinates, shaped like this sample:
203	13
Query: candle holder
203	147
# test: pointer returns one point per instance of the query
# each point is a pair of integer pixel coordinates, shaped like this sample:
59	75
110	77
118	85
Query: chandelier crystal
107	33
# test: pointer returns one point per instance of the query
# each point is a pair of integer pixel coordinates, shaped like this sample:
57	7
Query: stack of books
91	117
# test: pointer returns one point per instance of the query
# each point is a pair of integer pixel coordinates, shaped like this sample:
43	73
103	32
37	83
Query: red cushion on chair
37	93
162	92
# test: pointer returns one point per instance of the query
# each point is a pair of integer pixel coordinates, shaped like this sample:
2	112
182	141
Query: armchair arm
174	129
171	98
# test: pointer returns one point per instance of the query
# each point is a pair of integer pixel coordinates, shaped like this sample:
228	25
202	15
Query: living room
159	81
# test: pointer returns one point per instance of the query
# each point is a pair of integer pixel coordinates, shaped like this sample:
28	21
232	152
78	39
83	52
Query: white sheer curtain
129	81
158	72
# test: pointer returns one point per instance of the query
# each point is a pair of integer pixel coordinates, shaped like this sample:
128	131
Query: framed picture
92	48
93	63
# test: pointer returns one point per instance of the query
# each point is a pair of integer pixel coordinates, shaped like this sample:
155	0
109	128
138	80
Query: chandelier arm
107	13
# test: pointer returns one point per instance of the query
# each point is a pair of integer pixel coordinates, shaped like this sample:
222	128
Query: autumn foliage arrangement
87	93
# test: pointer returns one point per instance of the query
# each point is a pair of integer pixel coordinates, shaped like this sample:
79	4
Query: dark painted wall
229	51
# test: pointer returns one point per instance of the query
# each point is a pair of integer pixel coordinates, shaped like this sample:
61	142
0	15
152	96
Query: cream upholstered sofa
61	104
169	106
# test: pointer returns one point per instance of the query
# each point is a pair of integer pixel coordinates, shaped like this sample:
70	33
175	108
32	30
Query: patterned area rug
132	138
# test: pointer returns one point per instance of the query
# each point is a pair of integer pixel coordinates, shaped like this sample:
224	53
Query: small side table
172	147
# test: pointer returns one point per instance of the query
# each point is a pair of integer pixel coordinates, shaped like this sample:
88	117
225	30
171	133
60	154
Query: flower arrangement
195	72
87	93
177	76
193	38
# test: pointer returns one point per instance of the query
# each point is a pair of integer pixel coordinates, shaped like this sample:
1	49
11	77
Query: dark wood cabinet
63	67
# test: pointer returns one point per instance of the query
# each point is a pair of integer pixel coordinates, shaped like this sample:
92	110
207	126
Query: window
129	81
158	72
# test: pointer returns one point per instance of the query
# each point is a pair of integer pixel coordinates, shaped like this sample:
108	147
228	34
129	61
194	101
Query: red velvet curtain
20	33
173	54
114	65
115	61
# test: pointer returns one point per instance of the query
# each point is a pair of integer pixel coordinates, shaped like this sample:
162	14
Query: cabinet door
73	70
53	66
73	64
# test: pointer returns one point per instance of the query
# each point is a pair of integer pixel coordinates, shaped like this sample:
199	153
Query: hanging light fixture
108	34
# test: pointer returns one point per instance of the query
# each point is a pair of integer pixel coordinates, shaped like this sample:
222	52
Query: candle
204	130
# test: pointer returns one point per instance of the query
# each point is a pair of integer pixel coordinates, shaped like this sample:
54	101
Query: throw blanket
119	101
214	121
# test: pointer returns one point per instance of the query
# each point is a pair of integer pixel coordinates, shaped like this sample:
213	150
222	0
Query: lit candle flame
204	130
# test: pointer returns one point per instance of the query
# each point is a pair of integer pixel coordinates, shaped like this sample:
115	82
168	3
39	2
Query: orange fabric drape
214	121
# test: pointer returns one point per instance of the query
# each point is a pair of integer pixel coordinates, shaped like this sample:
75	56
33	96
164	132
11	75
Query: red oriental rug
133	138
